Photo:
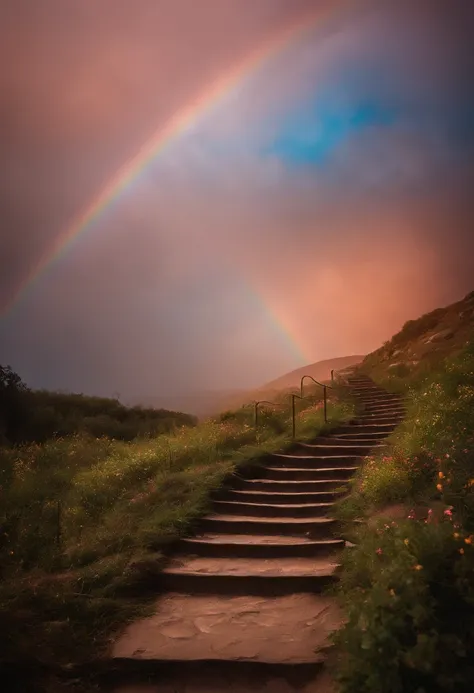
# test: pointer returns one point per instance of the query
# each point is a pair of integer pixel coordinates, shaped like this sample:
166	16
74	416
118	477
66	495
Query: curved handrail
264	401
325	387
294	396
314	381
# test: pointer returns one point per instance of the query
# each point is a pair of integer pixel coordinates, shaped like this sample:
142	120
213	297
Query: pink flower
379	551
448	513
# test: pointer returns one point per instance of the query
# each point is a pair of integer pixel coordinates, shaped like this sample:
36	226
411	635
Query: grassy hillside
38	415
408	582
422	344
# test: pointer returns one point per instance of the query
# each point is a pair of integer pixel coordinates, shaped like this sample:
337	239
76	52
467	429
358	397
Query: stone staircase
242	606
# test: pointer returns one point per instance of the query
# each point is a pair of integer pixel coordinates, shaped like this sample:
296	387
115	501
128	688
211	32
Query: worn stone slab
312	567
291	629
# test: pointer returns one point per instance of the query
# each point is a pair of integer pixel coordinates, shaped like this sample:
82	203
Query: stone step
258	546
198	575
375	438
383	408
301	458
381	447
371	416
380	405
336	449
385	405
307	474
382	399
384	411
379	394
366	443
356	450
288	486
379	420
197	629
281	498
368	428
249	524
367	390
272	509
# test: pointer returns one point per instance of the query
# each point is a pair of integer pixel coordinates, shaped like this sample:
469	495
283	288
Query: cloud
230	259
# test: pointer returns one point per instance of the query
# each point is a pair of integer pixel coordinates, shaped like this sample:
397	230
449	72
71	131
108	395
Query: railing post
332	374
293	415
325	404
301	387
256	414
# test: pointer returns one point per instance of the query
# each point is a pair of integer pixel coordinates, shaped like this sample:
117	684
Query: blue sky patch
310	133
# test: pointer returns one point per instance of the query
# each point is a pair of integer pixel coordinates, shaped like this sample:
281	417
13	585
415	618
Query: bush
408	588
409	596
38	415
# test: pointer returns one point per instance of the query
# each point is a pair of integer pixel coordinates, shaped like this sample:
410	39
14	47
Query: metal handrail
293	396
314	381
325	393
264	401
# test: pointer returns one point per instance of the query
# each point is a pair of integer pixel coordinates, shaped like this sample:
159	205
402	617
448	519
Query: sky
324	199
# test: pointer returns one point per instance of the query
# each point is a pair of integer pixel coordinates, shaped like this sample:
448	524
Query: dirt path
243	608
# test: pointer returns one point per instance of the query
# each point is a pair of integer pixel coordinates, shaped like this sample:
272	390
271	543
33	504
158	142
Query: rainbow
161	138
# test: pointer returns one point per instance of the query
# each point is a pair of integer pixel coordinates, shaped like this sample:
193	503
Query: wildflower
468	540
379	551
439	487
418	567
447	456
440	475
456	535
448	513
406	542
392	592
461	551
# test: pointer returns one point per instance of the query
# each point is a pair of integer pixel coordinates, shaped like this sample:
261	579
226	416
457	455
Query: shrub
408	590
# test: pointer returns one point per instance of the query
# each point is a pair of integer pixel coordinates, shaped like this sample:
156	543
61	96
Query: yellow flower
406	542
418	567
441	475
468	540
392	592
439	487
456	535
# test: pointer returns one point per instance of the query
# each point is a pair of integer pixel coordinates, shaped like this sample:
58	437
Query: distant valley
208	403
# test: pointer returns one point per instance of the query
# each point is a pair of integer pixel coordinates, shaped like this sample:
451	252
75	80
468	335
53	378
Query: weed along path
242	604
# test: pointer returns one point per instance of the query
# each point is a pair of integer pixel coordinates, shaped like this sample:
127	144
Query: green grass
407	584
68	577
